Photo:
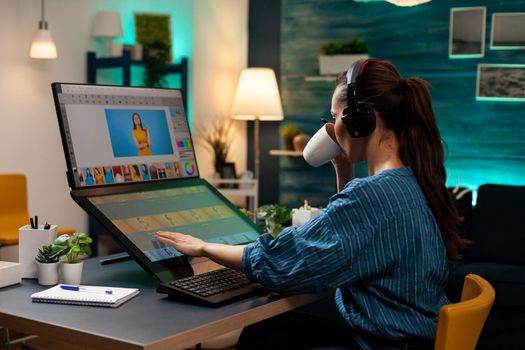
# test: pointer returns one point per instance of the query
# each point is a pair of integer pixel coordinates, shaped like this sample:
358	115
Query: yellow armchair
14	211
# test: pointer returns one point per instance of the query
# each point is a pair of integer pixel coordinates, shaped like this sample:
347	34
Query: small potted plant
71	249
288	132
218	138
275	216
338	57
47	266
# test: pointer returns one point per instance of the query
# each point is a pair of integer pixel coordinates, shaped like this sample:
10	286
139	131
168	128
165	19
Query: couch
496	228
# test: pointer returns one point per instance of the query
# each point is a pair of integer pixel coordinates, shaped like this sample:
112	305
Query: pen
86	290
32	223
36	222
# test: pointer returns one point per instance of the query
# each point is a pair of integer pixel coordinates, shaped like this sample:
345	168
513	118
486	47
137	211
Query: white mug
322	147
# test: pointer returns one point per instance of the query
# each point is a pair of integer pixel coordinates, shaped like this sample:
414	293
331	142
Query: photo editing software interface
192	209
125	135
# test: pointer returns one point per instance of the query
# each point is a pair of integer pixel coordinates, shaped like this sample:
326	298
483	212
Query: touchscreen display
195	210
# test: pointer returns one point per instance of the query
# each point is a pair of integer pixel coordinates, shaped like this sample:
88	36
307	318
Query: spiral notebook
87	295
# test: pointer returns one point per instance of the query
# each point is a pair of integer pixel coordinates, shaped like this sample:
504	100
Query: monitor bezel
70	173
164	270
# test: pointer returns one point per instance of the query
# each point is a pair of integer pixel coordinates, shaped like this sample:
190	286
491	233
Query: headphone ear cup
360	122
368	118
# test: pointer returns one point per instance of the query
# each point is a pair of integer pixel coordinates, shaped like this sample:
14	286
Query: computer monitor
115	135
109	151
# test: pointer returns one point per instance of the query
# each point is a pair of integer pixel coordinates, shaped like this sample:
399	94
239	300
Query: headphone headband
357	69
358	116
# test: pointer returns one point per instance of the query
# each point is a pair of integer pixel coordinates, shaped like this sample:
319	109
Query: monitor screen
118	134
193	208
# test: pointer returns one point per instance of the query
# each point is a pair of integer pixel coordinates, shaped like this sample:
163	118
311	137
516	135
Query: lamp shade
407	3
43	45
257	96
107	24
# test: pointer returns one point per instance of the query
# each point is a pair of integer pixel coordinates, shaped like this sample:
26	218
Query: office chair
14	214
460	324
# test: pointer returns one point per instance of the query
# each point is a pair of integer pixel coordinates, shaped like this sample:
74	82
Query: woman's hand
185	244
344	170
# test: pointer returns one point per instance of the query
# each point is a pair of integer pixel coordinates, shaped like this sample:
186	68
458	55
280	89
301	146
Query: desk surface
148	321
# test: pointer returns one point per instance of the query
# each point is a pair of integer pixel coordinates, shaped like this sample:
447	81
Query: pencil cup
29	241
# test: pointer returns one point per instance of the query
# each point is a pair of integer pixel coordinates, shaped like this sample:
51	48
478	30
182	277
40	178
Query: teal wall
181	13
486	140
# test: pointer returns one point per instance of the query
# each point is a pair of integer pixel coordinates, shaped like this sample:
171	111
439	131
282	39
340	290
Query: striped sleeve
320	255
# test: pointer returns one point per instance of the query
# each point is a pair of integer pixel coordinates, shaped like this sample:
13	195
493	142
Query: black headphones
358	116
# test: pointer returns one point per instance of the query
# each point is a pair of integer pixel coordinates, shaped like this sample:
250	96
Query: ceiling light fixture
407	3
43	46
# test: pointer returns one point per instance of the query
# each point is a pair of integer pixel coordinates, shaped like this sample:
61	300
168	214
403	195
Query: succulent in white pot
47	266
338	57
72	249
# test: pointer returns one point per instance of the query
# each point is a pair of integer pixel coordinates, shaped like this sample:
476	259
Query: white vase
47	273
71	273
335	64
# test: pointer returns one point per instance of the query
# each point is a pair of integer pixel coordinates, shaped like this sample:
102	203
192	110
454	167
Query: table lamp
107	26
257	98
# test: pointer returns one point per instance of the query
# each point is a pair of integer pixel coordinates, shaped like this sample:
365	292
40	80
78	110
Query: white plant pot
47	273
71	273
335	64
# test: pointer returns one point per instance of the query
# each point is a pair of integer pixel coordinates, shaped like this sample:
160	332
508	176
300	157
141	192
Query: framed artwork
501	82
508	31
153	28
467	32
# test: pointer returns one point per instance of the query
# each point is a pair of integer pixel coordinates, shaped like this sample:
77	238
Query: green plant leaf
61	240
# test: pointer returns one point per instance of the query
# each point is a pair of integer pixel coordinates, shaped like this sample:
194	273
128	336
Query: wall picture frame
154	27
501	82
467	32
507	31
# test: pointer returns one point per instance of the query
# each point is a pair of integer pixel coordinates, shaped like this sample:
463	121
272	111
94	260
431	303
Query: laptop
131	165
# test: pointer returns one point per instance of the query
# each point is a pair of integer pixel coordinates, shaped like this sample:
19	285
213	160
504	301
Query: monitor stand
115	259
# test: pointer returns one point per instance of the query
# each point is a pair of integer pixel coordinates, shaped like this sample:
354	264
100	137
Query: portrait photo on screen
136	132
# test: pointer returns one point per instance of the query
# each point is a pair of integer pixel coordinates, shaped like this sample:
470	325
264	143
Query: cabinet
125	62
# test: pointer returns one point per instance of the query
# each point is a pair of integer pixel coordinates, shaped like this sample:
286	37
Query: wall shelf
285	153
125	62
325	78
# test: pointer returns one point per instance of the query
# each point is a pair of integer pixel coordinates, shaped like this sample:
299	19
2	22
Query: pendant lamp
43	46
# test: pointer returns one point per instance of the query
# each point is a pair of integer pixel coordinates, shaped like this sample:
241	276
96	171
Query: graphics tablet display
131	165
194	209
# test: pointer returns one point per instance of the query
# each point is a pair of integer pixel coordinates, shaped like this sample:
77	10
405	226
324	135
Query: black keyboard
213	287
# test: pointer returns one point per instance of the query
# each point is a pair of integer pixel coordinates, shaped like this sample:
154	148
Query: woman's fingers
165	240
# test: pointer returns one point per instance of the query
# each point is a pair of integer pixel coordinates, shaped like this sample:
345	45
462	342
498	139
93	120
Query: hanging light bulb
43	46
406	3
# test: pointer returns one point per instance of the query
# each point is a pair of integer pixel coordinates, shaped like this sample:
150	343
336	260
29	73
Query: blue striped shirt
377	243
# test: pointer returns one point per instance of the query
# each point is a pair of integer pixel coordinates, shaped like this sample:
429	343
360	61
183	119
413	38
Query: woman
382	242
108	175
145	173
90	181
135	173
141	136
99	177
